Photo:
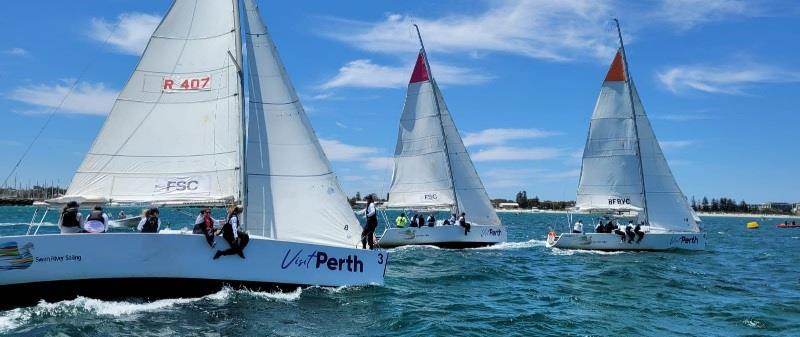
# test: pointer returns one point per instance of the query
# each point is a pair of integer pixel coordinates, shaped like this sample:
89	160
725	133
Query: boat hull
127	222
612	242
55	267
444	236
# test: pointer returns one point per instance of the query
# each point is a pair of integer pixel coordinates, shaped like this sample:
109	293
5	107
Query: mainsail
623	167
431	165
174	133
292	193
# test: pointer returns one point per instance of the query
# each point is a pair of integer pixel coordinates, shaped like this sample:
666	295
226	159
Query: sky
719	79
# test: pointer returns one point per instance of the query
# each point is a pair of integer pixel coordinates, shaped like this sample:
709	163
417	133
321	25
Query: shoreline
729	215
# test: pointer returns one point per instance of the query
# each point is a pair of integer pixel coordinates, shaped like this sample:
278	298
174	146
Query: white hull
127	222
443	236
651	241
33	266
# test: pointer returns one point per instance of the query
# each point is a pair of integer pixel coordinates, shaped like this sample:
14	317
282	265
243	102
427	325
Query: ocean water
746	284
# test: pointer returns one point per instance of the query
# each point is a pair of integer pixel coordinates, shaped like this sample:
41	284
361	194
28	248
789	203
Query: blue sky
719	78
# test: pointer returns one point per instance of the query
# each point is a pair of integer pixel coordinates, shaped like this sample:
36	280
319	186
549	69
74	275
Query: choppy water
746	283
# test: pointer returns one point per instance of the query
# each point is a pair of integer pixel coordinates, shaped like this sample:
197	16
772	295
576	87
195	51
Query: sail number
186	84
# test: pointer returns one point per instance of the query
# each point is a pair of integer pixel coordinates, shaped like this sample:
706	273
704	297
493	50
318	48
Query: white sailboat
176	136
624	174
432	169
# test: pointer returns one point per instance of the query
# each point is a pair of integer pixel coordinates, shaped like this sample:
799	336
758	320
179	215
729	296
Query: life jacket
208	222
366	212
401	221
227	228
96	215
150	225
70	218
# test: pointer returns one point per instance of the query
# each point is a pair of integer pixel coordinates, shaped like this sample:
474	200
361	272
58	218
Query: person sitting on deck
578	227
610	227
618	231
431	220
600	228
639	232
150	222
413	221
452	219
401	221
462	221
204	224
230	232
96	221
629	232
70	221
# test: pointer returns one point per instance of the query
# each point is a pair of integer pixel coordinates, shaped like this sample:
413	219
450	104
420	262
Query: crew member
121	215
150	222
453	219
578	227
600	228
96	221
431	220
401	221
371	215
462	221
617	230
639	232
70	221
204	224
230	232
629	231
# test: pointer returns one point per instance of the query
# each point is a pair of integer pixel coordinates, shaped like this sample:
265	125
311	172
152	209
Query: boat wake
14	318
9	224
411	247
515	245
567	252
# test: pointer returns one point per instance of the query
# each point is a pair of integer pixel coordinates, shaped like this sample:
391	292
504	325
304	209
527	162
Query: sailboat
432	170
624	174
176	137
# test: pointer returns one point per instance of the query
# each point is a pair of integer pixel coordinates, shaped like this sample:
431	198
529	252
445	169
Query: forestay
184	93
431	161
292	193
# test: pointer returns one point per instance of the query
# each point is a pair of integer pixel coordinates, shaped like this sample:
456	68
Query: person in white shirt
150	222
371	215
96	221
462	221
578	227
230	232
70	221
204	224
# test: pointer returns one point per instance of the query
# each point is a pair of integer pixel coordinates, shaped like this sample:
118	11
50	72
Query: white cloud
542	29
16	51
686	14
380	163
725	79
338	151
675	144
364	73
504	153
129	33
519	178
85	98
497	136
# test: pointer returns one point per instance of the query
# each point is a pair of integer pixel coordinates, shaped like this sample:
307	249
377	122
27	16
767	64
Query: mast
635	124
441	122
243	147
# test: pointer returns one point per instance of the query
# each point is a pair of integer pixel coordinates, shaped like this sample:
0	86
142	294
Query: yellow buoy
752	225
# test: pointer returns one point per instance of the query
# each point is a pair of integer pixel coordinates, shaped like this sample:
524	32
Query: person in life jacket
462	221
70	221
204	224
401	221
578	227
230	232
371	215
96	221
150	222
639	232
629	231
430	220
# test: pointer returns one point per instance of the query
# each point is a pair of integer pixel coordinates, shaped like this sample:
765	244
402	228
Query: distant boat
126	222
432	170
788	225
176	137
624	174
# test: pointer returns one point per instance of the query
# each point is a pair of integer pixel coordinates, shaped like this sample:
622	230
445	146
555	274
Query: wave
44	224
515	245
15	318
567	252
411	247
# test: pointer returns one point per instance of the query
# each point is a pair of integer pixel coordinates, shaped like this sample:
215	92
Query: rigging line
60	104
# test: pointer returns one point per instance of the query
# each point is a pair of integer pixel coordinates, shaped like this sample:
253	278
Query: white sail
292	194
431	161
174	132
667	207
610	176
471	194
421	174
